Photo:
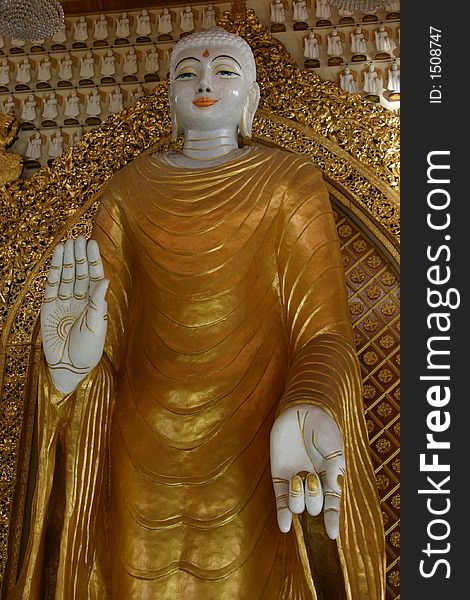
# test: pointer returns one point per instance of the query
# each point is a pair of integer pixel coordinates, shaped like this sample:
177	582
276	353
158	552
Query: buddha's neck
209	145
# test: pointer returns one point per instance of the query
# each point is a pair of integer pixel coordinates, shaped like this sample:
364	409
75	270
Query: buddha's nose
203	85
205	88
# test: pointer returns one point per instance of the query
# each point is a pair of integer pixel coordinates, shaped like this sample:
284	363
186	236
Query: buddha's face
209	88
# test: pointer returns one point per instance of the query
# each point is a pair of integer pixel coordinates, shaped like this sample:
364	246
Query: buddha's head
213	83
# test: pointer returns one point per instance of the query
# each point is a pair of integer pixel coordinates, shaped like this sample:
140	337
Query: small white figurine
382	41
137	93
8	105
23	72
323	10
49	109
87	65
358	41
300	10
123	26
311	46
345	12
372	84
4	71
17	42
60	37
56	145
100	30
393	82
187	20
108	63
115	101
44	69
28	111
334	47
165	25
392	6
72	105
143	24
80	30
152	61
278	12
129	66
77	136
347	82
65	67
208	17
93	103
34	147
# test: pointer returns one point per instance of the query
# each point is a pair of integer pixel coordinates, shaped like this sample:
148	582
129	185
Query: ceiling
76	7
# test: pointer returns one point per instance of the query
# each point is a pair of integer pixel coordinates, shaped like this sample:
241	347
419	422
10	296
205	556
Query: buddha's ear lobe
175	126
249	110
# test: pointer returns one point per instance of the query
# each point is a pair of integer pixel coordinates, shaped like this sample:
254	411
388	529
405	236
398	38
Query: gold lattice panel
374	295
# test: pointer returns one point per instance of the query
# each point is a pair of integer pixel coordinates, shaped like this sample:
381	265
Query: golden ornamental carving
11	165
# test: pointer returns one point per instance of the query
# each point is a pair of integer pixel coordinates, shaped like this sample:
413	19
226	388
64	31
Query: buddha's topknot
216	36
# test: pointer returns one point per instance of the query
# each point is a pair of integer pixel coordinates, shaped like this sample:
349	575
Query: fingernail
296	484
312	484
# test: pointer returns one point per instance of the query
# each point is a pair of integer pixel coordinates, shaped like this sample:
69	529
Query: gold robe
227	305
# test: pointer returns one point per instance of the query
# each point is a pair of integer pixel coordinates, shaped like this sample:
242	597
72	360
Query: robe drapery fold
227	305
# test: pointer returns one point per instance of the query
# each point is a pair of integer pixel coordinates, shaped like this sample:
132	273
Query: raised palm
307	466
73	315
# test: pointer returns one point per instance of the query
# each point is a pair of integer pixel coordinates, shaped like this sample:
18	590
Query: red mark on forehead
205	54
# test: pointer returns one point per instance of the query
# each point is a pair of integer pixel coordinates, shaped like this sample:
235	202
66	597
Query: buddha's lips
204	102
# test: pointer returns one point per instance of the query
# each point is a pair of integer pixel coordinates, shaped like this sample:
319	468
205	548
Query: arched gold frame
354	143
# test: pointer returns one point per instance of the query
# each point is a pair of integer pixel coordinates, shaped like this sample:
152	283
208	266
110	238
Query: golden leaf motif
385	375
356	308
370	358
384	409
374	261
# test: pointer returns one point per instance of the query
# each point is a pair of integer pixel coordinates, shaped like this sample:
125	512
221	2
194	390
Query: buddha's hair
216	36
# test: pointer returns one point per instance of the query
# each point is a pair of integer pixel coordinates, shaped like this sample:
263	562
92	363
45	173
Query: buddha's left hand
306	439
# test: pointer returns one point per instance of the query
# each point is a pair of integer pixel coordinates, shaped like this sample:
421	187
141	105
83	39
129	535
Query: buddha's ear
249	110
175	126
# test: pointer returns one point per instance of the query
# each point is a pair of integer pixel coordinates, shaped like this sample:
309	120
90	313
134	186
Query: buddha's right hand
74	313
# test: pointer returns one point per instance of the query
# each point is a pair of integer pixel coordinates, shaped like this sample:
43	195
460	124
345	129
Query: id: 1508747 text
435	66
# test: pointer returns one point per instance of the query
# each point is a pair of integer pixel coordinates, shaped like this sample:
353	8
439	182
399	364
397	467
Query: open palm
73	315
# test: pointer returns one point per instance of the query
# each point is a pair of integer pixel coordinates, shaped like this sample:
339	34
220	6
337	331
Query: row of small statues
56	144
63	67
91	104
371	80
323	10
358	42
124	26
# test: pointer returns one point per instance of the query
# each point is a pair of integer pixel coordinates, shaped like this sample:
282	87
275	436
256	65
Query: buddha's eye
185	75
227	73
